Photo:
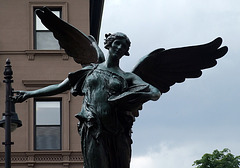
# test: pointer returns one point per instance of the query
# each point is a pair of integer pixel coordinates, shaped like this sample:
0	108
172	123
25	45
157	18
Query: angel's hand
20	96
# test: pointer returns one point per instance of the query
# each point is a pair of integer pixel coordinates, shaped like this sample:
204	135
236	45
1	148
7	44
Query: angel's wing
163	68
82	48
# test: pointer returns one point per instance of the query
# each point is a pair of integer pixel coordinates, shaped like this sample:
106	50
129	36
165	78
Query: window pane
46	41
40	26
48	138
48	113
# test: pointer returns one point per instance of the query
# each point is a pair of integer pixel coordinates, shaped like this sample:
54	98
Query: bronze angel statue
112	97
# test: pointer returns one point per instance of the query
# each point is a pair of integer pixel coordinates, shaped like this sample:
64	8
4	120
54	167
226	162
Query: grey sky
199	115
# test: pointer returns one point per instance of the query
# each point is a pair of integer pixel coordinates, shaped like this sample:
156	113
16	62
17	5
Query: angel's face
118	48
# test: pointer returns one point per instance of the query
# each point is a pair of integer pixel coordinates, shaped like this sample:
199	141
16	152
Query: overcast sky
199	115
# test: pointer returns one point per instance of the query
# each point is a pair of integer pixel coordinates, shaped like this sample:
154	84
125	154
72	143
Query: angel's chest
104	81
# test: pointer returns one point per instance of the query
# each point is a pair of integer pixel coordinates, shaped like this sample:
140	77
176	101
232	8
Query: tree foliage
218	159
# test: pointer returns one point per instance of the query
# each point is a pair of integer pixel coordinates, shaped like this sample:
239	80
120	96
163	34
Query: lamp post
10	119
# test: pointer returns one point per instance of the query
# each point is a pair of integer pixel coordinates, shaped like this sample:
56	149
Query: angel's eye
117	43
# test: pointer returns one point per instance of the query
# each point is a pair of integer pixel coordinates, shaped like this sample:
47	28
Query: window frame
34	5
35	123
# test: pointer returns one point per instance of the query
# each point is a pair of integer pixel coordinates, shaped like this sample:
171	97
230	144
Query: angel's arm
150	93
46	91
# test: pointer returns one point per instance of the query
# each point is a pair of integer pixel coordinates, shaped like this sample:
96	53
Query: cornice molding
42	157
31	54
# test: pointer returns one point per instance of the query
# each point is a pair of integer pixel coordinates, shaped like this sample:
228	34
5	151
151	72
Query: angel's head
110	38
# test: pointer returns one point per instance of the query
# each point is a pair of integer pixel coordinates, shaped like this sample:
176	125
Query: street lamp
15	122
10	119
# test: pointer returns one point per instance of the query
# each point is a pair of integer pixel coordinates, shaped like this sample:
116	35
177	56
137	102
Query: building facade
48	136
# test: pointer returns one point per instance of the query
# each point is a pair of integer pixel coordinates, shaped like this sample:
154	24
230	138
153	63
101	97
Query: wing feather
82	48
163	68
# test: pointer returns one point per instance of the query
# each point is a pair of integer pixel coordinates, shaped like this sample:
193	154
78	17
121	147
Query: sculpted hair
109	38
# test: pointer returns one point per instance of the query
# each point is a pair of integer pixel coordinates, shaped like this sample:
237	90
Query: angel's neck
111	63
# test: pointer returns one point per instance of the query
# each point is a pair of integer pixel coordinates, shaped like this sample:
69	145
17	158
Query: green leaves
218	159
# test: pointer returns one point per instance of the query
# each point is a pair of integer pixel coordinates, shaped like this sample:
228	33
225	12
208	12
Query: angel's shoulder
130	76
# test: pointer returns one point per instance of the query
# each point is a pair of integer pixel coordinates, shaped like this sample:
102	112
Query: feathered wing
82	48
163	68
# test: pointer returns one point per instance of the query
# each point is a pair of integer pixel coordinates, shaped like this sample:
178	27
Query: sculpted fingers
19	97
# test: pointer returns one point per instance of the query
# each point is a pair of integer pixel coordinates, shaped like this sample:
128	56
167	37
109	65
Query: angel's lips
117	52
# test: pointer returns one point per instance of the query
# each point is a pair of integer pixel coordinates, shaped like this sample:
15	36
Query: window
47	125
44	39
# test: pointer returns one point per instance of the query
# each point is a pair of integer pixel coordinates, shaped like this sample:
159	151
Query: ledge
39	83
31	54
44	157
